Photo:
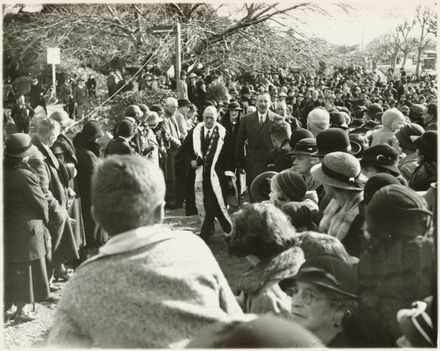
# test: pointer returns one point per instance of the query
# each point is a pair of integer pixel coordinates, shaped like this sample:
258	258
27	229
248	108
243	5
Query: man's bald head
318	120
210	115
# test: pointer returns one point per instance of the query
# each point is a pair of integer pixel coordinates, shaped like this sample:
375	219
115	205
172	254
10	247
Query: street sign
53	56
161	29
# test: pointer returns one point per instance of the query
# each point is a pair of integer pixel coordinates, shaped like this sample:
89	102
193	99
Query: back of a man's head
318	120
127	193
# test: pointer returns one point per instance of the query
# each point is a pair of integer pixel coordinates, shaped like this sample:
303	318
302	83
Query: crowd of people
325	183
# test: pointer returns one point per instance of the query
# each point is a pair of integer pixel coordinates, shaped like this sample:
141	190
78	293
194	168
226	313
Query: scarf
336	219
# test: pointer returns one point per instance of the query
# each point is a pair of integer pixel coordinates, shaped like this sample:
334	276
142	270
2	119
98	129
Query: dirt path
33	334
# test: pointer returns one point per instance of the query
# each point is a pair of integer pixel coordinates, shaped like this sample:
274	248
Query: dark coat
25	215
392	276
258	147
57	173
35	95
119	146
87	152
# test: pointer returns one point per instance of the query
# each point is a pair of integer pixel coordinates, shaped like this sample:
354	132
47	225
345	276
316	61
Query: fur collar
284	265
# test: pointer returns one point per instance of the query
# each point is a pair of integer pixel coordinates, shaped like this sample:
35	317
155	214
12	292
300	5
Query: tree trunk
394	59
405	56
419	55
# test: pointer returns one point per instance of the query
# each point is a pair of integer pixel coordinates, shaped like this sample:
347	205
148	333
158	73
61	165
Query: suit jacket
119	146
171	128
259	144
25	215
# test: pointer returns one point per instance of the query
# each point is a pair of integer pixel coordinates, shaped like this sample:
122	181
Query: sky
369	19
366	20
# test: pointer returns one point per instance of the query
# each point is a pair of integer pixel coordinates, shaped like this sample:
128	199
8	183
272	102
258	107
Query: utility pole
178	52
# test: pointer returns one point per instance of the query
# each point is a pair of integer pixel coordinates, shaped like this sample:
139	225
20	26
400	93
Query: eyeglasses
308	297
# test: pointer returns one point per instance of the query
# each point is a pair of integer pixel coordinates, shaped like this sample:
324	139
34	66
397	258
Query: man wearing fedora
254	143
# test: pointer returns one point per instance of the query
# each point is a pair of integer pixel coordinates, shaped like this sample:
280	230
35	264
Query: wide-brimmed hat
335	139
234	106
62	117
306	146
382	156
19	145
329	272
340	170
260	187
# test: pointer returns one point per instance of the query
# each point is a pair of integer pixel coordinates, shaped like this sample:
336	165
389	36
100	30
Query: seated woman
397	266
263	234
324	294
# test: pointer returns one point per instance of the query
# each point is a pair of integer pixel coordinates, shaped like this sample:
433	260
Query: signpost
53	58
165	30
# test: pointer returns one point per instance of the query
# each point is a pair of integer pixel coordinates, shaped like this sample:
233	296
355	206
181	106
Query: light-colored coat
158	291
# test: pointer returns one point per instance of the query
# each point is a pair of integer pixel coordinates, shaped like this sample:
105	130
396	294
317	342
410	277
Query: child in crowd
392	120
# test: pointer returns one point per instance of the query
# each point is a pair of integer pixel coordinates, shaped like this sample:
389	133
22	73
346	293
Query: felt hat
382	156
335	139
126	129
290	184
427	145
376	182
329	272
406	134
417	325
393	206
192	75
265	331
234	106
340	170
183	103
62	117
306	146
92	130
298	134
417	109
19	145
245	90
260	187
358	138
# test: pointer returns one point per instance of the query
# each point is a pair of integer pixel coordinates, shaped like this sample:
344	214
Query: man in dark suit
255	130
120	145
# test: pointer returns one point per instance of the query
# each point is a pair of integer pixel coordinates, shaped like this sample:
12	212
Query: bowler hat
62	117
298	134
183	103
340	170
19	145
335	139
382	156
260	187
304	146
329	272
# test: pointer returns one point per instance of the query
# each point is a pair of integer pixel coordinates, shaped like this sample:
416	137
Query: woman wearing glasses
324	294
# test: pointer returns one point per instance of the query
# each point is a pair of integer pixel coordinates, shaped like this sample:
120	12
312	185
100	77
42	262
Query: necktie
261	120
